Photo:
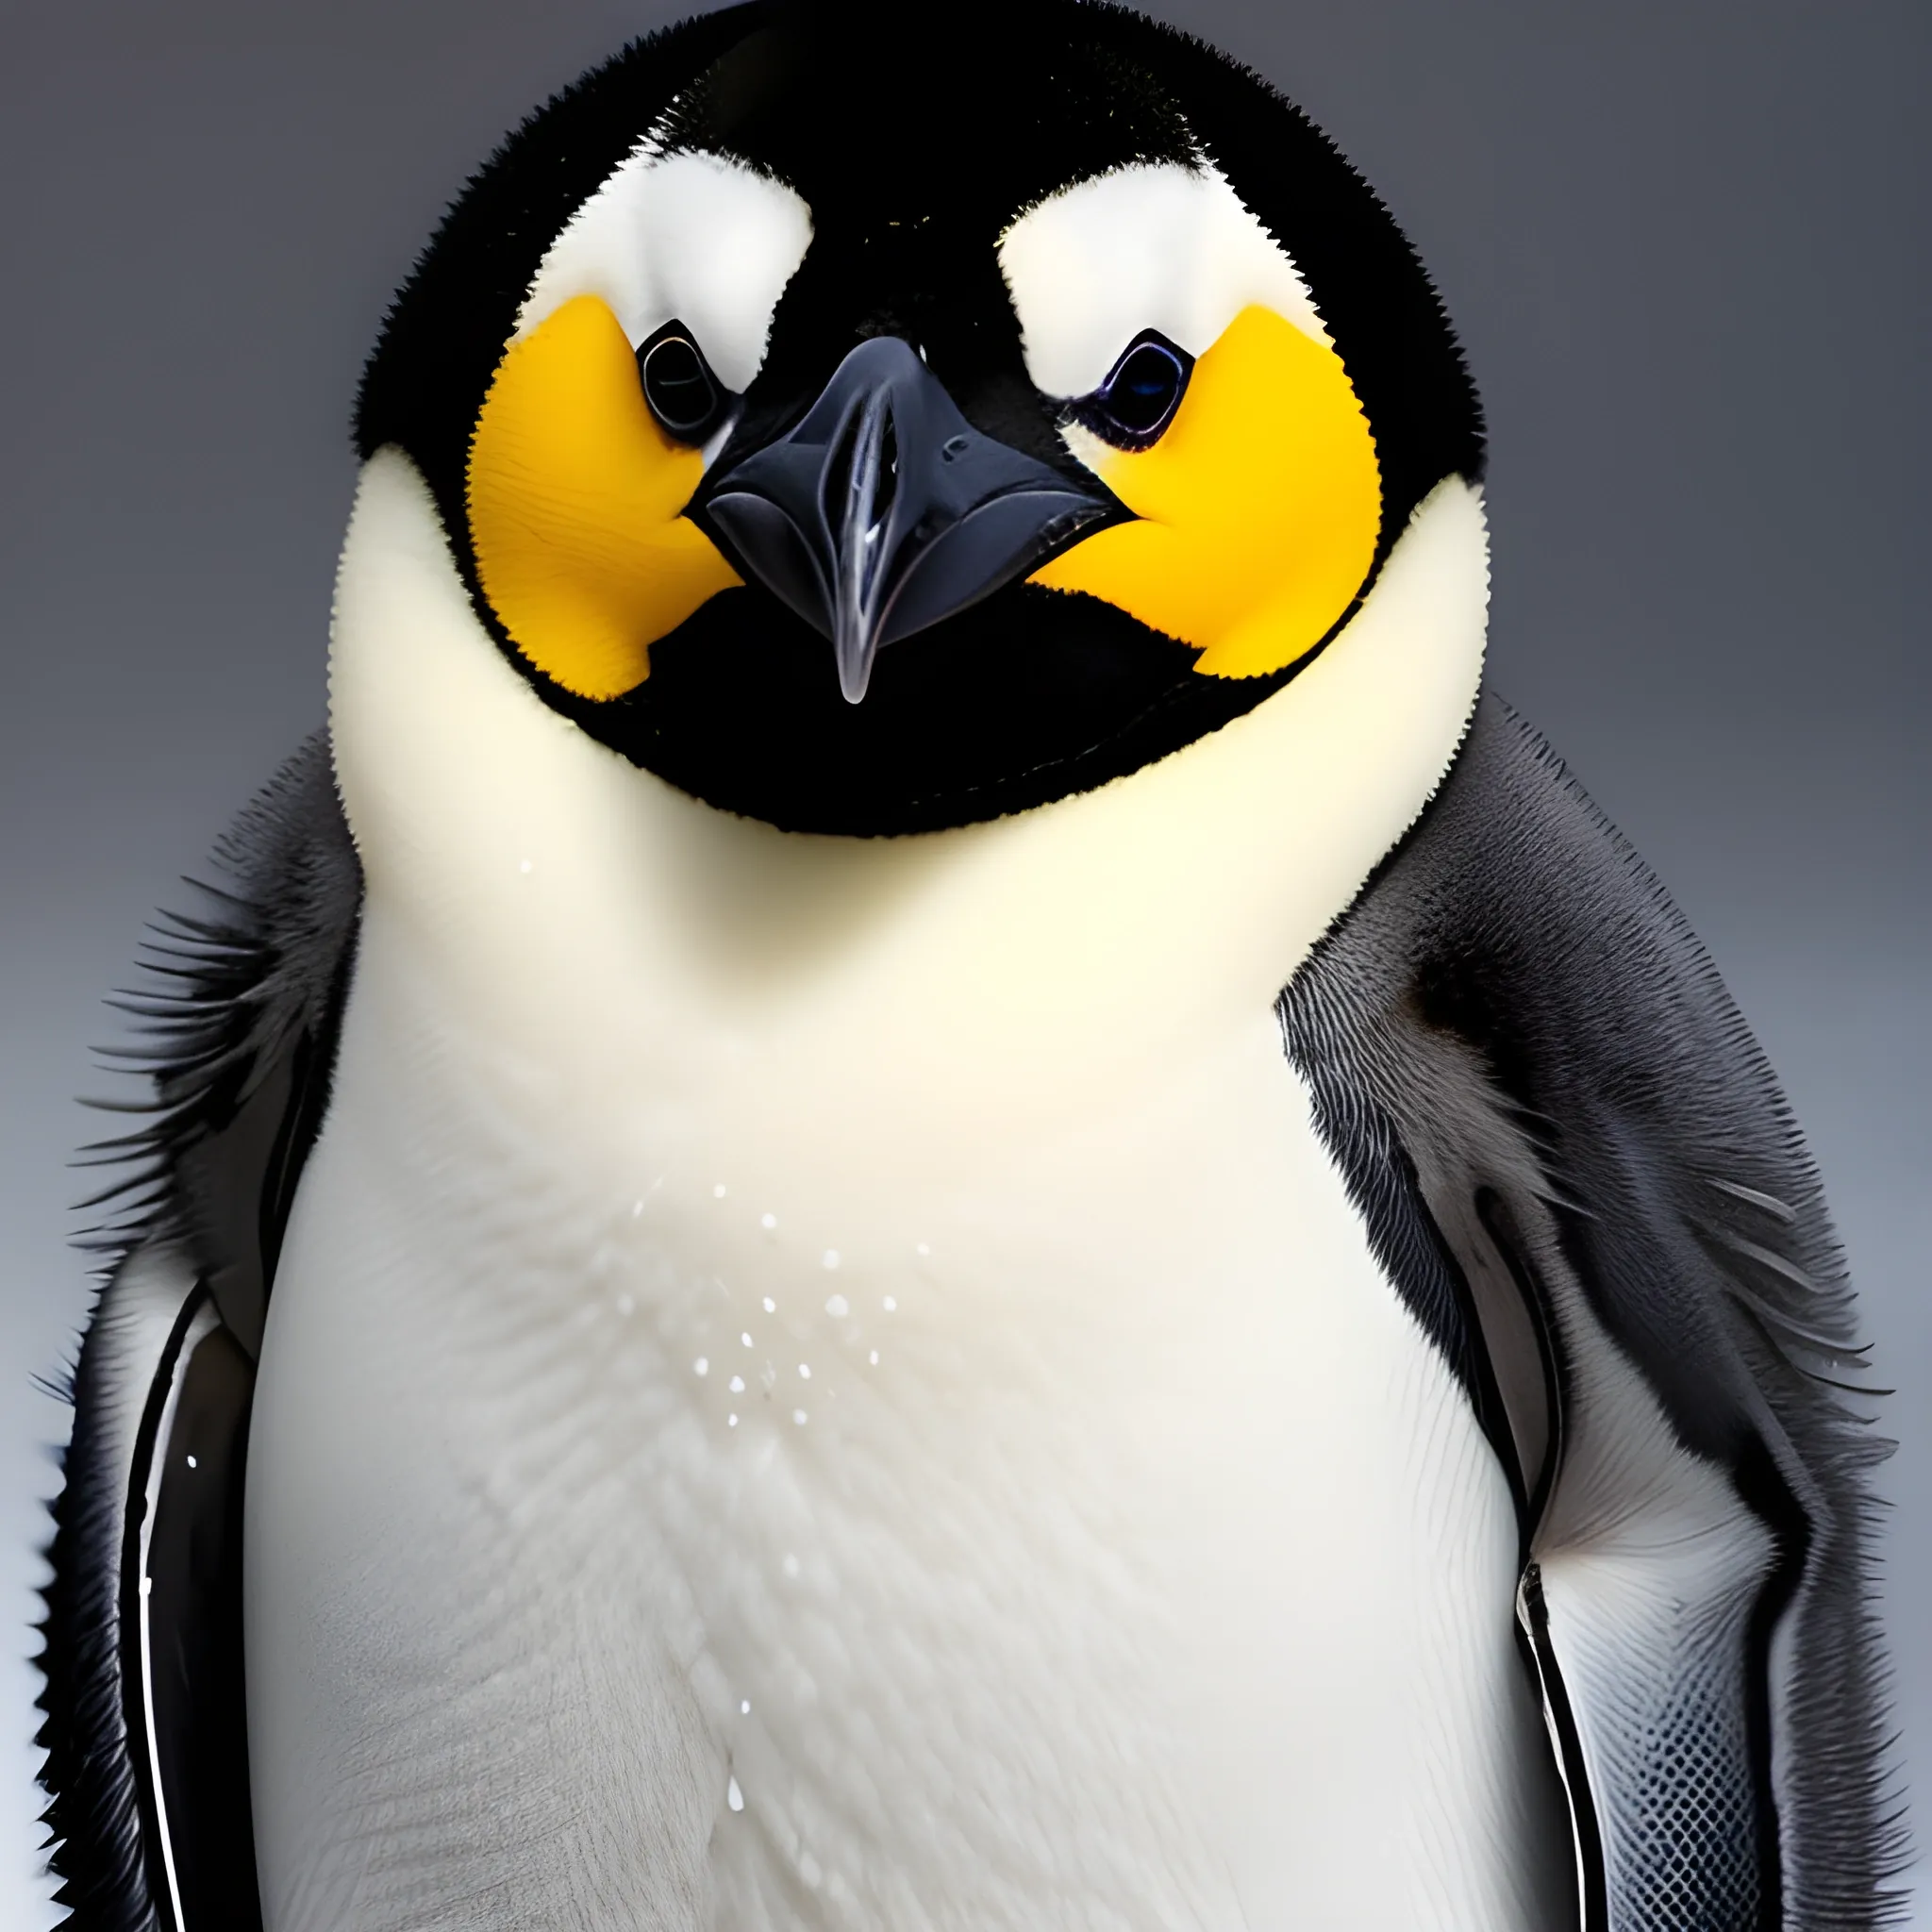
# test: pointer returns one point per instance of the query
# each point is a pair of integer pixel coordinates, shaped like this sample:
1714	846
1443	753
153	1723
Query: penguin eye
1138	398
683	394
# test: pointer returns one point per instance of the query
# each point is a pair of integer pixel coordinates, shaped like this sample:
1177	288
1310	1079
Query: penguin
923	1179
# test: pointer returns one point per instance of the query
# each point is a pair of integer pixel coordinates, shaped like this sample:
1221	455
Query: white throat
1040	957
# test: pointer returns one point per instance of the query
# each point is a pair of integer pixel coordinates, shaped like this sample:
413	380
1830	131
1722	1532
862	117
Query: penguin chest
705	1499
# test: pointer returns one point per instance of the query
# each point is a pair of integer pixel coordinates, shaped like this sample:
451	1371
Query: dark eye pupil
678	386
1138	400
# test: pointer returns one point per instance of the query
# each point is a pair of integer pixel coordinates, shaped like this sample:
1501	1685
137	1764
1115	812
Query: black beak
884	511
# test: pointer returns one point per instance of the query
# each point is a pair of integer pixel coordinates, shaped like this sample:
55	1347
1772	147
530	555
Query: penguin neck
576	907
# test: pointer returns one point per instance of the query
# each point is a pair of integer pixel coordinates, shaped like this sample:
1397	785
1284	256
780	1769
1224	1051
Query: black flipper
145	1732
1582	1179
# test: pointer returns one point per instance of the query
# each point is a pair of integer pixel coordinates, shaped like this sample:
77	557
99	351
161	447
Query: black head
873	432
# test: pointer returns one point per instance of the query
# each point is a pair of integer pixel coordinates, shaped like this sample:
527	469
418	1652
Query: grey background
1684	242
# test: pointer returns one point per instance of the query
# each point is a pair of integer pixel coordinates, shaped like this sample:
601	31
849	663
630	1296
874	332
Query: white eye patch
691	236
1164	247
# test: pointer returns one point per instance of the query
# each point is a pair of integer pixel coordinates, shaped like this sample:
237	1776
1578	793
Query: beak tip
855	668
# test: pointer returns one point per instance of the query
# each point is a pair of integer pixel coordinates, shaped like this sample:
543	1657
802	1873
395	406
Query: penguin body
922	1184
996	1528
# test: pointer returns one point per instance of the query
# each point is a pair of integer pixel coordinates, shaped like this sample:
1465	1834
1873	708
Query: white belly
1098	1544
1126	1557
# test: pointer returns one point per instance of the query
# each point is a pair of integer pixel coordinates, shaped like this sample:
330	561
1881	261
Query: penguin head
874	431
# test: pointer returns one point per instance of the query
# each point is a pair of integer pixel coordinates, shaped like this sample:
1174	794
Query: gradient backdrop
1684	241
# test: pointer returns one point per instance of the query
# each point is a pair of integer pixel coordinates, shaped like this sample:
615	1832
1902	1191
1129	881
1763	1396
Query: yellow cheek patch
1260	505
575	501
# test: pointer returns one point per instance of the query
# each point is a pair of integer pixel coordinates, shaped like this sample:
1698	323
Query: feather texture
1582	1176
238	1029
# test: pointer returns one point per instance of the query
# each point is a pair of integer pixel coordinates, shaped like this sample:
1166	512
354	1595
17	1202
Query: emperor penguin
921	1182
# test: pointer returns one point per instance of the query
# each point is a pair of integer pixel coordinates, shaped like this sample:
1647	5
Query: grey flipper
1584	1181
145	1732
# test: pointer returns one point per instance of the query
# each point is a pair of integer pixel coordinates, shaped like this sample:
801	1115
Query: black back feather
1516	1045
237	1028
